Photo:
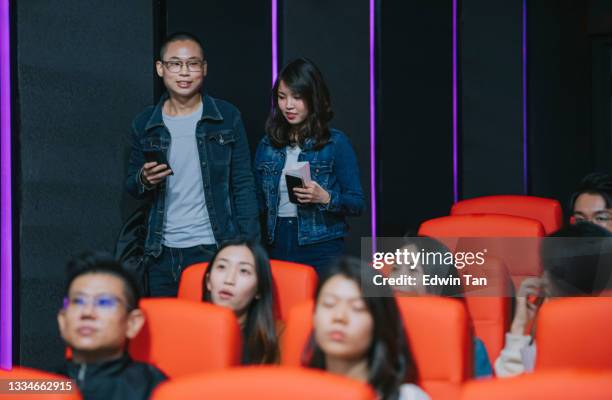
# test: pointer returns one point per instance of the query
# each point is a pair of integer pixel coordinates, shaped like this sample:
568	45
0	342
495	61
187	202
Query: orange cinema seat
514	240
548	385
182	337
547	211
437	330
574	333
293	283
264	383
490	308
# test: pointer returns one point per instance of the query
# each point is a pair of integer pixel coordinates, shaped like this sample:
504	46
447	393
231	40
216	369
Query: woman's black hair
436	268
303	78
390	361
259	332
577	259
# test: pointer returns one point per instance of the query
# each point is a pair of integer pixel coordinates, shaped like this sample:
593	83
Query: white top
186	220
517	356
287	209
410	391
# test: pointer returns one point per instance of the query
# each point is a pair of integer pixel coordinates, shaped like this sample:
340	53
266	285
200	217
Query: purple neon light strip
6	299
372	128
455	109
274	40
525	154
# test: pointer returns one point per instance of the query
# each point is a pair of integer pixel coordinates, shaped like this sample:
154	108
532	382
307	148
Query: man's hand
312	193
152	173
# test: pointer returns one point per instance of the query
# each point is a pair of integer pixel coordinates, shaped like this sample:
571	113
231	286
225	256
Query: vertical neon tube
372	125
6	297
274	40
525	150
455	109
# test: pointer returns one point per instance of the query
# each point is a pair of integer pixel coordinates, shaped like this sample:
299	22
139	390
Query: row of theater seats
510	227
281	383
184	338
474	224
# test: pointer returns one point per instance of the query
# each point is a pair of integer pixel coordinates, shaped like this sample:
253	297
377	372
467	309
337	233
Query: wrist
327	198
518	327
143	180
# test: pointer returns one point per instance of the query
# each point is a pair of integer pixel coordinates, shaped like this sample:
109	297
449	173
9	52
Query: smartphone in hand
157	156
293	182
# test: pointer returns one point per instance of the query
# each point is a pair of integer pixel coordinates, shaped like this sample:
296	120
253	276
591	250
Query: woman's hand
312	193
525	309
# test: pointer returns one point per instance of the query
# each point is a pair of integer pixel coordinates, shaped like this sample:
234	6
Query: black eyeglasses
177	66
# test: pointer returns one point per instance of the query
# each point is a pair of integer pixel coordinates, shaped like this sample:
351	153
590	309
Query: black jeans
165	271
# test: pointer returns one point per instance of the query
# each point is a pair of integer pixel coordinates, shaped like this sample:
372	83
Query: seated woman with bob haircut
239	278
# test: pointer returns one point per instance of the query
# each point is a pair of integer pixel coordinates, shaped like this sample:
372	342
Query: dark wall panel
561	149
237	37
335	36
415	136
492	99
84	70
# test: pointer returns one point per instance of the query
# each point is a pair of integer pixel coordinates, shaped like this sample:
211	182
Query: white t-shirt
287	209
410	391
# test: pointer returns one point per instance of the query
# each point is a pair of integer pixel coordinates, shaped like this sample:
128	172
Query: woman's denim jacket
223	150
334	167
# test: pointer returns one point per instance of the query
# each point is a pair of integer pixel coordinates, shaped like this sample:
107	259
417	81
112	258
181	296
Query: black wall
237	37
492	99
414	137
569	86
335	36
83	71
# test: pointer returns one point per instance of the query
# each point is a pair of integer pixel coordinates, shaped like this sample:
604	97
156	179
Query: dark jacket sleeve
261	201
349	199
133	184
243	184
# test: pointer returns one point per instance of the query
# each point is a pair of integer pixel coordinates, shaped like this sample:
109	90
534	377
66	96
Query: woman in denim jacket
312	230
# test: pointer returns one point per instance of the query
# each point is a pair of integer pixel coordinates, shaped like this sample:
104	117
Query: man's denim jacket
227	177
334	167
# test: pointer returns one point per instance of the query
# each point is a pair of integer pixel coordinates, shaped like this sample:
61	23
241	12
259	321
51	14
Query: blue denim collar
209	111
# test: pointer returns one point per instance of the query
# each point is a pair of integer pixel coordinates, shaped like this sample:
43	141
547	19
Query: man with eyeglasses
592	201
100	314
203	193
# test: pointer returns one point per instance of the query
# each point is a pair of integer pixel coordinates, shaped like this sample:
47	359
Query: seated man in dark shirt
99	316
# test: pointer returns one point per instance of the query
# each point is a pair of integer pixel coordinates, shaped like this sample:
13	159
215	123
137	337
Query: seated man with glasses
592	201
190	160
99	316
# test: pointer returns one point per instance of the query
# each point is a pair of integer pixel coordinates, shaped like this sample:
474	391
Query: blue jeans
319	255
165	271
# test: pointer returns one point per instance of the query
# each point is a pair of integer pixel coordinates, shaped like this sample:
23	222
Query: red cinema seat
23	373
513	240
574	333
547	211
548	385
293	283
438	333
490	308
264	383
181	337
